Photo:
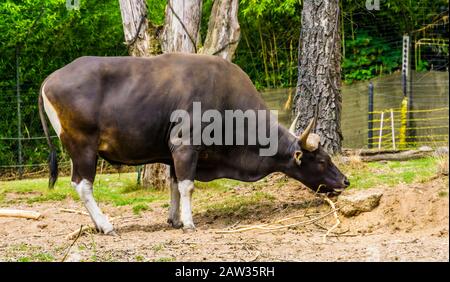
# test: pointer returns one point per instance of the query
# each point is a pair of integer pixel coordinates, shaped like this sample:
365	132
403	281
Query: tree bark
181	26
223	30
140	34
319	72
156	175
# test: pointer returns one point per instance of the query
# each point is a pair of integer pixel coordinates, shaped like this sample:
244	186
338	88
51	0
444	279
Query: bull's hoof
112	233
106	228
175	224
189	228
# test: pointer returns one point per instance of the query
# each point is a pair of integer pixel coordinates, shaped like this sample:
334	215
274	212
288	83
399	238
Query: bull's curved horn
305	134
310	141
294	123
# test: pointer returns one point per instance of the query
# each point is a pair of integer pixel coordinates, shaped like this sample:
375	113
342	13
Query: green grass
220	185
30	253
119	190
391	173
139	258
158	247
137	209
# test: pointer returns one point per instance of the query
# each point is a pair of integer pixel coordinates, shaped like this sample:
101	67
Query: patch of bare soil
410	224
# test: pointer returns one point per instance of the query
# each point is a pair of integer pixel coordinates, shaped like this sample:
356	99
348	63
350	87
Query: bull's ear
298	157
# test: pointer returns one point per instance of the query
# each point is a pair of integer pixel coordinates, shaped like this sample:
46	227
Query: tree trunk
156	176
181	26
319	72
142	41
223	30
140	35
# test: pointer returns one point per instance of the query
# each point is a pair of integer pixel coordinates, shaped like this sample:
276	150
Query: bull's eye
322	165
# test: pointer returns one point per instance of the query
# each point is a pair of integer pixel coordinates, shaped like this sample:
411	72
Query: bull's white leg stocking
84	190
186	187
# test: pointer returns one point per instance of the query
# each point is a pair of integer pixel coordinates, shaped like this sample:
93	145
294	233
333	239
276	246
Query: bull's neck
279	162
286	141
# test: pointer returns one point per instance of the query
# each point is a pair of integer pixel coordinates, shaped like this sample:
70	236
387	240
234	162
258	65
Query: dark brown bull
119	108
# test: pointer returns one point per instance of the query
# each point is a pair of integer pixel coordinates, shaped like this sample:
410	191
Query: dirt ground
410	224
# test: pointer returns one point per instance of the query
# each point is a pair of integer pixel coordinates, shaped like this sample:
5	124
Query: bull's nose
346	182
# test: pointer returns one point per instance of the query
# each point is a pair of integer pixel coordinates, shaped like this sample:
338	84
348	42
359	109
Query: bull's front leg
185	164
174	213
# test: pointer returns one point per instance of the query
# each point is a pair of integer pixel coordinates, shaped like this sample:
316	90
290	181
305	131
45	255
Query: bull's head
312	166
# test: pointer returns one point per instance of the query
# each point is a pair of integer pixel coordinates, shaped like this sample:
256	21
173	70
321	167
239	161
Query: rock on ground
441	151
359	201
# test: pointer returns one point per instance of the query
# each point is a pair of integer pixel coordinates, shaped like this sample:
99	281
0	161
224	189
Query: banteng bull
121	109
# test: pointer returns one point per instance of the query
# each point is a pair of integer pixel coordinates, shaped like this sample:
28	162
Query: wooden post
381	130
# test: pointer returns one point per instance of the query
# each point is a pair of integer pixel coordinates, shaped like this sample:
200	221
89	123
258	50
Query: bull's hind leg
174	213
185	163
83	174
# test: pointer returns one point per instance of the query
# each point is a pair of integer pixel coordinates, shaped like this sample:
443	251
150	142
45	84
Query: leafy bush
44	36
367	57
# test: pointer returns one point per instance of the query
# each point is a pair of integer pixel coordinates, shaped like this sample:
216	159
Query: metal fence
424	122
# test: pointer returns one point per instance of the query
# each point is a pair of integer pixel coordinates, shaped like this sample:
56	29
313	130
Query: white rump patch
51	113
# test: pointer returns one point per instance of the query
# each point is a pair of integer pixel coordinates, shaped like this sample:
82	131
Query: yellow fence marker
403	123
381	130
393	129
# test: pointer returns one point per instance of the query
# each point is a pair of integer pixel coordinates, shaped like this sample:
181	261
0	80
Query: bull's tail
52	161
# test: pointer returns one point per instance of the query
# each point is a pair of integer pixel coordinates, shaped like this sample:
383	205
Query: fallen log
401	156
19	214
371	152
367	155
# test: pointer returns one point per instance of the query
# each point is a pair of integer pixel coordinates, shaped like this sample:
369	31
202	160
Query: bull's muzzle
345	184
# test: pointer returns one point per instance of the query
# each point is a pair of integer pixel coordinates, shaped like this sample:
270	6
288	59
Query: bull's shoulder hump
173	58
192	58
